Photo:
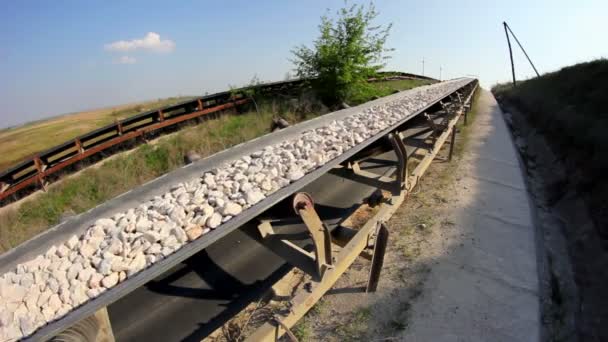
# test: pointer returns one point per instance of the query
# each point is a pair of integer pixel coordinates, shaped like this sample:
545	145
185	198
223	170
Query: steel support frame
355	247
395	185
314	263
318	262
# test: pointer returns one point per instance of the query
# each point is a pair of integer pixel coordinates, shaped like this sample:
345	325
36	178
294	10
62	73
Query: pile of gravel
113	249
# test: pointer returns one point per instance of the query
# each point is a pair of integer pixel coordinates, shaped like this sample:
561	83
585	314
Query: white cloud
126	60
151	41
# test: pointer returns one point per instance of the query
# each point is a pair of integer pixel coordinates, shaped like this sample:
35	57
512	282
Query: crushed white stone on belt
115	248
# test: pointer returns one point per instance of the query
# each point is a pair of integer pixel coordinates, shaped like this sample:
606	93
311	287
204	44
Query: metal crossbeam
395	185
314	263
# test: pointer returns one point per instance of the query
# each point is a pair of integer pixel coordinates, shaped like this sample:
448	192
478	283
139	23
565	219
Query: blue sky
57	56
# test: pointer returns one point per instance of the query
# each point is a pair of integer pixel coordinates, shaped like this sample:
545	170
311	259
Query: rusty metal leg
402	172
321	238
452	142
378	258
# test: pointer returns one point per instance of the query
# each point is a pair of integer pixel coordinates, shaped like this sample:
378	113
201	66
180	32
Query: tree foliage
349	50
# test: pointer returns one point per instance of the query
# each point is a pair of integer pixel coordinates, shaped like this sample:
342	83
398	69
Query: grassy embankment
569	108
93	186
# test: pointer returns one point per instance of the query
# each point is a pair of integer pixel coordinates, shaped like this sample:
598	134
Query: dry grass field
20	142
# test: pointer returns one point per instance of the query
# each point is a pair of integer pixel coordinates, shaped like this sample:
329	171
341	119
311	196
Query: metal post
510	53
119	127
402	159
378	258
40	169
452	141
79	146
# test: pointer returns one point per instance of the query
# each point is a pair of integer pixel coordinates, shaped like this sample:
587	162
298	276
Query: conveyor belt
199	295
77	225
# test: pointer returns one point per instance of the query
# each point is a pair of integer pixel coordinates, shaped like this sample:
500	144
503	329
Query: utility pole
422	66
507	31
507	27
440	72
504	23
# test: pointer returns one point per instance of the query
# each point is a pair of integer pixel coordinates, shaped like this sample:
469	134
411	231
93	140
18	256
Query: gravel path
115	248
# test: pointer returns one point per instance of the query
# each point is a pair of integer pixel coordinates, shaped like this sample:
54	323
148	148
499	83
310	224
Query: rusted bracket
395	186
314	263
431	123
40	167
79	145
119	128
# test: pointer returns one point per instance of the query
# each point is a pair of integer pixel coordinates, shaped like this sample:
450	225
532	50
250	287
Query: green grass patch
356	326
302	331
383	88
569	107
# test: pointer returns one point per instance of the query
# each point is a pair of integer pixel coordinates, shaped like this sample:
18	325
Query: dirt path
462	262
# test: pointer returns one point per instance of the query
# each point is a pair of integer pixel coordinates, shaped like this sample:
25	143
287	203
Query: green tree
349	50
